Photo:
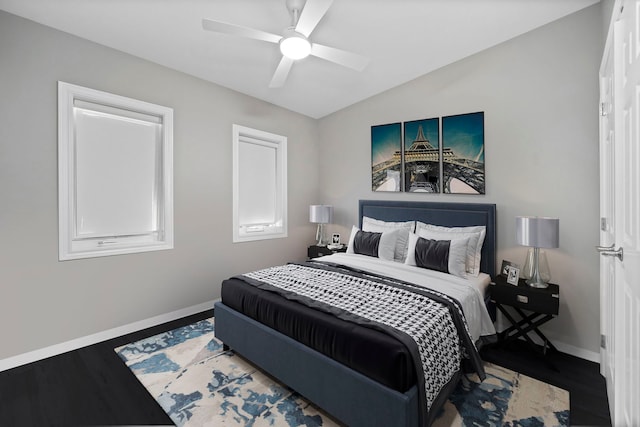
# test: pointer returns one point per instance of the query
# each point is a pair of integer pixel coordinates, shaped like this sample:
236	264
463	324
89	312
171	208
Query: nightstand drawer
545	301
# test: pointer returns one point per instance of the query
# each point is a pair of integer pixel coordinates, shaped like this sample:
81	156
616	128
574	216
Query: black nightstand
543	303
315	251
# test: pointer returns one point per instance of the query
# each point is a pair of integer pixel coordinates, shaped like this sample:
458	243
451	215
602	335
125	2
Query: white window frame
278	227
75	104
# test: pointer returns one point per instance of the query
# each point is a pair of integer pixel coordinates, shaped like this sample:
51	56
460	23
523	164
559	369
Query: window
259	185
115	160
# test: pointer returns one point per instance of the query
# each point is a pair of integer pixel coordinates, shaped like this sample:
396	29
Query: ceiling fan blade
312	13
238	30
339	56
280	76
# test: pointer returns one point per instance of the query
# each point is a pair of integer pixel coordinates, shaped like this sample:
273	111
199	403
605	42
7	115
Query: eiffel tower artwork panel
422	165
386	157
463	154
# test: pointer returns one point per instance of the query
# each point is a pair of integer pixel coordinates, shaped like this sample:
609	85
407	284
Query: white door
607	220
621	272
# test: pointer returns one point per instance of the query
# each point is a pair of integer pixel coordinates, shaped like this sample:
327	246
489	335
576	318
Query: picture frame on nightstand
335	238
505	267
513	275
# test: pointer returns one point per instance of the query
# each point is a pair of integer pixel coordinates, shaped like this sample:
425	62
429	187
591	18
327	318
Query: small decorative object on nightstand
315	251
505	267
513	275
543	303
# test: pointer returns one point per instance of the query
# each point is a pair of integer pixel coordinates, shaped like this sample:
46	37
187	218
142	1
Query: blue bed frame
349	396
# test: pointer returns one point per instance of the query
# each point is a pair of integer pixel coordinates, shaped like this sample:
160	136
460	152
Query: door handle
610	251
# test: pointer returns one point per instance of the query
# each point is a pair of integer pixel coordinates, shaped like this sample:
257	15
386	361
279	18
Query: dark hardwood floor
89	386
92	386
587	388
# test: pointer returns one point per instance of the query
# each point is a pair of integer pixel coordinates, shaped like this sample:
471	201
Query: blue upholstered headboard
445	214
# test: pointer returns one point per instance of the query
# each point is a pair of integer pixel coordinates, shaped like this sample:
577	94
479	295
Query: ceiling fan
294	42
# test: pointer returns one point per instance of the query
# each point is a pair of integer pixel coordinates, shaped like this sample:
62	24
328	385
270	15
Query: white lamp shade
538	232
321	214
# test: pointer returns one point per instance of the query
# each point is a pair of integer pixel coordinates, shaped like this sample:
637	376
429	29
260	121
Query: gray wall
539	93
45	302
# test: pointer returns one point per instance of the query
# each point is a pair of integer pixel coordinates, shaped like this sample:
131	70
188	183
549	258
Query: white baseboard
56	349
577	351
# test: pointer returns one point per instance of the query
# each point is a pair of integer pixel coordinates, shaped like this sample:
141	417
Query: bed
356	395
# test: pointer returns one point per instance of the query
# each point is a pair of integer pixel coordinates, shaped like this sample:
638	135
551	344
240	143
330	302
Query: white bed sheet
469	292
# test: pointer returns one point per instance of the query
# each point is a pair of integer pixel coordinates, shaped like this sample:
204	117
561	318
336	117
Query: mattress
369	351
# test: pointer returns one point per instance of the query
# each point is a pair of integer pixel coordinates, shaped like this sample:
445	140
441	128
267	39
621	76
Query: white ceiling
404	39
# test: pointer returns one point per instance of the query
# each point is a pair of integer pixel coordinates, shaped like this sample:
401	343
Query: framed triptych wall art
436	155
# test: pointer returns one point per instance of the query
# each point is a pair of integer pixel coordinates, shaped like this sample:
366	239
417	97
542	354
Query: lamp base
534	284
536	269
321	241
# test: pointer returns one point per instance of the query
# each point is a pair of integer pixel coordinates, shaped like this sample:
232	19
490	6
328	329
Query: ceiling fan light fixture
295	46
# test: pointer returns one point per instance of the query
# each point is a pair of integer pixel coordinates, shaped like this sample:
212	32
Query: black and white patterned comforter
429	323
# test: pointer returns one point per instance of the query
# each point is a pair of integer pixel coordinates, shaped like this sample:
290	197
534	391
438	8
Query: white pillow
456	263
386	246
476	235
404	228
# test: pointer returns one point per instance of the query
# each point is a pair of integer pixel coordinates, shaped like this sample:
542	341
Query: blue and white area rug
198	384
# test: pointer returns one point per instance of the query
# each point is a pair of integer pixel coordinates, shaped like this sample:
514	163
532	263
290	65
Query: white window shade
257	196
110	151
259	185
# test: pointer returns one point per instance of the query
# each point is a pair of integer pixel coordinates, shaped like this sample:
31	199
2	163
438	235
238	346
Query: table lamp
537	232
321	215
